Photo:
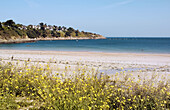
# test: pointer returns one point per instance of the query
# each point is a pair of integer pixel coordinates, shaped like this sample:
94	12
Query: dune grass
37	87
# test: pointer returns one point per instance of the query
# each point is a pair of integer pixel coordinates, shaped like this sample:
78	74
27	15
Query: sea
110	44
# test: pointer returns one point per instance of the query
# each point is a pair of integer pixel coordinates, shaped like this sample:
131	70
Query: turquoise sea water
123	45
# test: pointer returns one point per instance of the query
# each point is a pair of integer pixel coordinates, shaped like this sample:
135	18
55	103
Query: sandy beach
94	58
106	62
149	69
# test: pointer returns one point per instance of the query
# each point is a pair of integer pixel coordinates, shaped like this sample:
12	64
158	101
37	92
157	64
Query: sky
110	18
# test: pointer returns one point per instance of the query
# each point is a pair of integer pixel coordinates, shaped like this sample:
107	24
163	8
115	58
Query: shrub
37	87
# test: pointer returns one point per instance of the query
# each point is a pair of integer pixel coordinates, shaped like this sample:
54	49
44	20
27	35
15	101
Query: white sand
102	61
96	57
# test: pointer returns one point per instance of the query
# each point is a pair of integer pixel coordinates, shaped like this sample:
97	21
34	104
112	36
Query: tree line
11	30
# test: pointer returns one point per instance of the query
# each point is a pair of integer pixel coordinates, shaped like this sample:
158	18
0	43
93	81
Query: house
24	27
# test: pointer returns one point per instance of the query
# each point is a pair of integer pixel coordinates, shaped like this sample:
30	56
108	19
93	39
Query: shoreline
43	39
94	52
18	41
83	52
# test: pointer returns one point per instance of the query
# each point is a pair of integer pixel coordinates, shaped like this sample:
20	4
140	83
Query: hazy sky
111	18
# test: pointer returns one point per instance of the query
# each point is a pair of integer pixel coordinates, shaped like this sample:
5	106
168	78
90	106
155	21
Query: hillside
10	31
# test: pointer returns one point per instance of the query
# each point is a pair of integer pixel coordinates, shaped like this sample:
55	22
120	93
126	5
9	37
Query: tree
44	34
64	28
55	28
30	26
19	25
68	34
77	32
42	26
59	28
70	29
1	28
32	33
9	23
53	34
58	34
73	34
37	32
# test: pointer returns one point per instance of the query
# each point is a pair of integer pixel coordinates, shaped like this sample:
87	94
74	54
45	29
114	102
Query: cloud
32	3
119	3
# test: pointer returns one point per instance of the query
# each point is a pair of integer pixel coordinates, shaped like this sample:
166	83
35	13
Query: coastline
41	39
18	41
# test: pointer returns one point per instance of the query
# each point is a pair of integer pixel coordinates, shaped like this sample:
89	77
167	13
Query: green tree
59	28
1	28
58	34
37	32
19	25
73	34
44	34
70	29
64	28
53	34
9	23
77	32
30	26
67	34
55	28
62	34
32	33
42	26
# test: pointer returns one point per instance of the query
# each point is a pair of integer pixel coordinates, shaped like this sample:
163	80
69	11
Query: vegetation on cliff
11	30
